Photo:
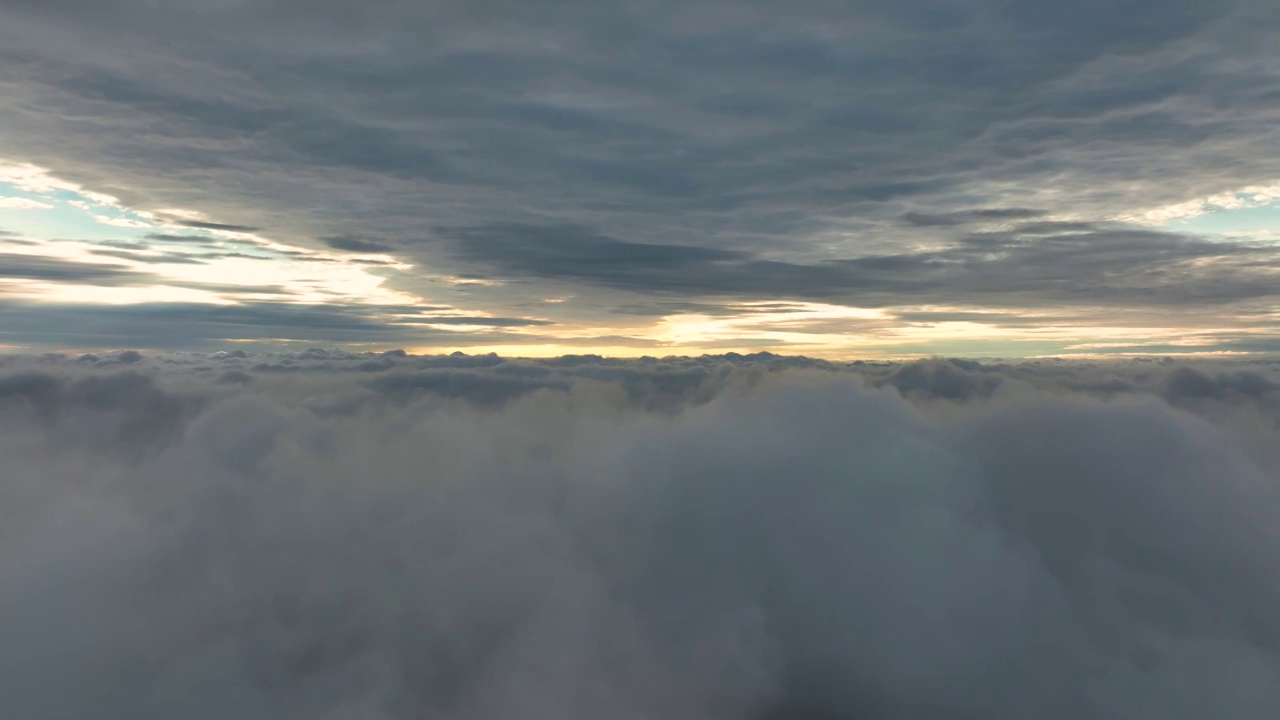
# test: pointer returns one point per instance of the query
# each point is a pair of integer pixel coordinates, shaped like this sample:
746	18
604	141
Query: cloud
356	245
569	251
920	219
205	225
10	238
145	257
35	267
1192	383
195	325
19	203
712	143
1038	263
182	239
716	537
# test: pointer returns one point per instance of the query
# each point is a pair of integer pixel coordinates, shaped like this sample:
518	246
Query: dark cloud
1188	383
193	325
114	414
577	252
1032	264
952	219
987	317
135	245
947	379
147	257
8	235
661	308
204	225
56	270
49	269
356	245
807	143
235	377
280	535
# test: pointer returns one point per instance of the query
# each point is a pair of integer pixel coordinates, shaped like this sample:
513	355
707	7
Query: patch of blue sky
72	217
1245	220
11	191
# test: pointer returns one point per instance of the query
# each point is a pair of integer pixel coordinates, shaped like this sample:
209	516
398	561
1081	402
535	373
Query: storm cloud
395	536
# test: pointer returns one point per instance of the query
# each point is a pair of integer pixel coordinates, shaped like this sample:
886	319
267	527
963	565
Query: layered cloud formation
623	171
395	536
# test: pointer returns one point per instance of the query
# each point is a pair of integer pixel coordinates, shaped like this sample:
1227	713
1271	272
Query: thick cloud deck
324	535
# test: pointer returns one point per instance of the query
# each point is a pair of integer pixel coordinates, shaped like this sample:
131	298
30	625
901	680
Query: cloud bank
322	534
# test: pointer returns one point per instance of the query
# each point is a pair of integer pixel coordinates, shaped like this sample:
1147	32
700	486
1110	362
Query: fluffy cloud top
391	536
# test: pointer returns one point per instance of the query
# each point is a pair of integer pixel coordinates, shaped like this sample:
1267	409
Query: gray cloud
32	267
357	245
16	239
570	251
147	257
782	140
1031	264
193	325
952	219
205	225
284	535
135	245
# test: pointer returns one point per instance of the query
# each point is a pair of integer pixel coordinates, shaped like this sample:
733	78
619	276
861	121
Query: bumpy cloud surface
325	535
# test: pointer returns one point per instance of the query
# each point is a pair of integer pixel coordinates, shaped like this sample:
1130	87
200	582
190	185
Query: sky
639	360
984	178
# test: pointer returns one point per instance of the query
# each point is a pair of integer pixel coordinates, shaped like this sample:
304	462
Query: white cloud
18	203
122	222
1244	198
33	178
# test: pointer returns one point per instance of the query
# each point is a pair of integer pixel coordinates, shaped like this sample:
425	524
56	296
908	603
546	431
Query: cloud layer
393	536
987	154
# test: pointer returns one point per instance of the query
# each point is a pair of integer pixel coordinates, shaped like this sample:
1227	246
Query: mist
386	536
